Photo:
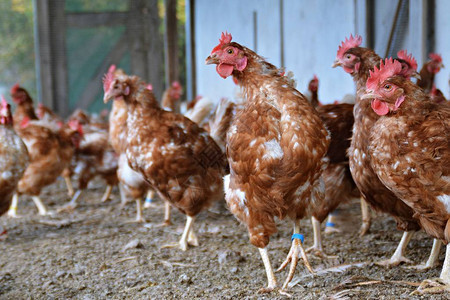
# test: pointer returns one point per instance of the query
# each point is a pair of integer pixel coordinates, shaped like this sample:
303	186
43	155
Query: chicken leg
69	185
12	212
186	237
366	218
107	193
40	206
167	213
271	280
432	259
398	256
437	285
293	255
139	217
72	204
149	199
317	248
331	224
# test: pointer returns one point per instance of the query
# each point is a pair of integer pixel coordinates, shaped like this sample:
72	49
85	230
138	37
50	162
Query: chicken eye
348	56
230	51
387	87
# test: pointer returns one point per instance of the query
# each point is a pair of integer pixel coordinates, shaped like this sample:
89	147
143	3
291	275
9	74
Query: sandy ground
84	255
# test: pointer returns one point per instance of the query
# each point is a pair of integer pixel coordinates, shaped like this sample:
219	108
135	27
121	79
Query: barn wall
312	33
442	38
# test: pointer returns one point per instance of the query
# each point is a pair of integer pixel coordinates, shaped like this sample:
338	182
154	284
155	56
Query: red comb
4	103
435	57
108	78
349	43
387	69
15	88
225	38
403	54
149	87
315	77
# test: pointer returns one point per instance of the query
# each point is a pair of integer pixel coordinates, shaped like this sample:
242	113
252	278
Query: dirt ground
84	255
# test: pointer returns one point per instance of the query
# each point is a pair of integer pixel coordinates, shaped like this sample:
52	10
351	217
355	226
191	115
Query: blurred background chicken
13	160
173	154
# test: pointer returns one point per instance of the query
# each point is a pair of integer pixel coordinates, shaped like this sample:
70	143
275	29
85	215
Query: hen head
113	86
346	58
176	90
77	132
409	64
435	64
5	113
382	88
314	84
19	94
228	56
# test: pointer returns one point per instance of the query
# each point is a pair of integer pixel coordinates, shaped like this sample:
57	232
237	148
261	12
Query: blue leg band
298	236
330	224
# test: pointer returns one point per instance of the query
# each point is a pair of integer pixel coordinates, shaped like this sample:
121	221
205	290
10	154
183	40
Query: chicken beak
212	59
442	66
369	95
416	75
336	63
107	97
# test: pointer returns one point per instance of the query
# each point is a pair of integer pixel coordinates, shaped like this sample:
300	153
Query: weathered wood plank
171	44
59	61
191	87
43	53
88	19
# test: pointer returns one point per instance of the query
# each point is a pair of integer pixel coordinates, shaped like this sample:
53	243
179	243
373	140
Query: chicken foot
167	213
437	285
366	218
271	280
40	206
432	259
72	204
188	236
12	212
70	190
398	256
317	248
293	256
107	193
330	226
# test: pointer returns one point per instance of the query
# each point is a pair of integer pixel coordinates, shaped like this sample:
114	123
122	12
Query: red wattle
224	70
380	107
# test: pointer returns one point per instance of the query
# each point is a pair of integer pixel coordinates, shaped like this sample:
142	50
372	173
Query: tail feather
200	111
219	125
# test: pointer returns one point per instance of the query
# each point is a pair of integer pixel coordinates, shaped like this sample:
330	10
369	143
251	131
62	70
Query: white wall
313	31
442	37
312	36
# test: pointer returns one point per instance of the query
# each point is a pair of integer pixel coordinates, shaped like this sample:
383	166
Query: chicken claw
398	256
188	236
432	259
317	249
293	257
432	286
